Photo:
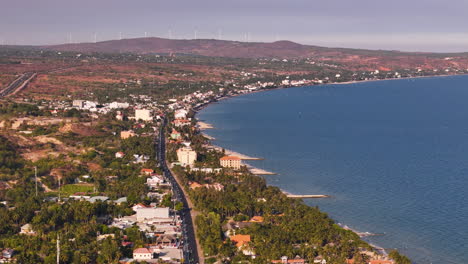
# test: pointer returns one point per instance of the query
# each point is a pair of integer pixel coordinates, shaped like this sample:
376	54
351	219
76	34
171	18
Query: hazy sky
413	25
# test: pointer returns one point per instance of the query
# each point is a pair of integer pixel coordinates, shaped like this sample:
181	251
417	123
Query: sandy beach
203	126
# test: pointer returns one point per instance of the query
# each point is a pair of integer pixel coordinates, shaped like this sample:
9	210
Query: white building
186	156
180	114
150	212
154	181
142	254
117	105
143	114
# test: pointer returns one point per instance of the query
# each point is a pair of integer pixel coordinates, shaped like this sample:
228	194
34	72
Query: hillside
354	58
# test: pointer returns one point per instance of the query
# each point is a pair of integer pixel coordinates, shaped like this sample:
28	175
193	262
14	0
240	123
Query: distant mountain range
278	49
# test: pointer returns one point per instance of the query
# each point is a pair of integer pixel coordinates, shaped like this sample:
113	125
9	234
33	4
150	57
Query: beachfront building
230	162
143	114
186	156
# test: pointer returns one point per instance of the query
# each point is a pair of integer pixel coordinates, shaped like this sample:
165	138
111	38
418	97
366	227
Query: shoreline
378	249
254	170
203	106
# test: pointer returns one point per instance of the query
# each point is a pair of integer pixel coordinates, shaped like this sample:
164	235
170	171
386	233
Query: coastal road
190	249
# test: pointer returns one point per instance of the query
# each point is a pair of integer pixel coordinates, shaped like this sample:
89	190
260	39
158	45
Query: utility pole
35	177
59	188
58	249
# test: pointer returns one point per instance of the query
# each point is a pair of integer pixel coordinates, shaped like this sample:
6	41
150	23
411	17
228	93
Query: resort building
186	156
230	162
143	114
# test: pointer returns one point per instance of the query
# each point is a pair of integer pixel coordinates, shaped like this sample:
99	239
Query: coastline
363	235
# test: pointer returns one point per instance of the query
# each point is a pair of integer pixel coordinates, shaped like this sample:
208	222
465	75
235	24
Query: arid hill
224	48
353	58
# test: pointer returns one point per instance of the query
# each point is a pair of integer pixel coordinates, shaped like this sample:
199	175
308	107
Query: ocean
392	154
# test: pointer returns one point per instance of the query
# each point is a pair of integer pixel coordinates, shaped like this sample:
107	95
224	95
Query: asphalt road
16	84
189	243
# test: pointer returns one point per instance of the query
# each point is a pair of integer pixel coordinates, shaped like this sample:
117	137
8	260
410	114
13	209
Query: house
217	186
320	260
166	241
181	122
257	219
155	181
285	260
180	114
195	185
143	114
150	213
138	206
98	198
230	162
142	254
27	230
7	253
381	261
121	200
119	116
119	155
147	171
242	244
175	134
186	156
127	134
240	240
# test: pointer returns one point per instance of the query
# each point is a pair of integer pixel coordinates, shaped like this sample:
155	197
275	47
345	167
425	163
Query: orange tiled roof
141	251
240	240
381	261
230	158
258	219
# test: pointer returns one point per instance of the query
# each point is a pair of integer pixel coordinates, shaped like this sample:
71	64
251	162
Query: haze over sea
393	155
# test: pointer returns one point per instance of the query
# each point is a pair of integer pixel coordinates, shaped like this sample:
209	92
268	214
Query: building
181	122
142	254
78	103
230	162
127	134
285	260
151	212
119	155
186	156
27	230
242	244
147	171
155	181
143	114
381	261
7	253
180	114
175	134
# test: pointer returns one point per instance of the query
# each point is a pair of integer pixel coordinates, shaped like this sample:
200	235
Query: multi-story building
230	162
186	156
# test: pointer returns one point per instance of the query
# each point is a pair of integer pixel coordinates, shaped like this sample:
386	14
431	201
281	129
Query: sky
407	25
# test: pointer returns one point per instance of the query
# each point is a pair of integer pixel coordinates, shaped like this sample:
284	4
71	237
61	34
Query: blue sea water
392	154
